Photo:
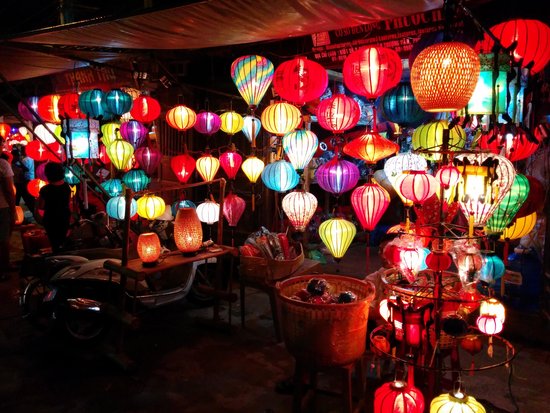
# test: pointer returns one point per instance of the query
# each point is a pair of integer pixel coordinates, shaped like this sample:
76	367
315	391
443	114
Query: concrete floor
182	365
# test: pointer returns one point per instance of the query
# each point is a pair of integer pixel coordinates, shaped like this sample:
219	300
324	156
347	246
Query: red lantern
371	71
281	118
369	202
535	198
233	208
181	117
417	186
148	248
472	344
187	230
37	151
68	106
103	157
183	166
34	185
230	162
145	109
300	80
5	130
515	142
398	397
530	36
338	113
56	152
438	260
48	108
370	147
148	159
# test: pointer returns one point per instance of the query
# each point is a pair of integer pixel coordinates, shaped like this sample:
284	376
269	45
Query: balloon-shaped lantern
507	208
207	166
535	198
337	235
136	179
281	118
417	186
208	123
150	206
369	202
230	162
370	147
183	166
120	152
233	208
280	176
118	102
300	146
37	150
400	106
338	113
209	212
337	176
231	122
300	80
148	159
252	75
134	132
299	207
428	139
145	109
181	117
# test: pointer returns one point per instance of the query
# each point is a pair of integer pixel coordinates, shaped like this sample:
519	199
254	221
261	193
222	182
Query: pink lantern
208	123
337	176
369	202
230	162
233	208
448	176
338	113
417	186
148	159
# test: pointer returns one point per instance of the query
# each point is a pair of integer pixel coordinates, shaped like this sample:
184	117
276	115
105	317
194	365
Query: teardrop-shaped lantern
519	227
511	203
252	168
134	132
148	159
252	75
207	167
208	123
370	147
338	113
280	176
417	186
68	106
337	234
398	397
48	108
300	80
232	122
370	202
145	109
230	162
187	230
429	138
116	207
136	179
117	102
337	176
120	152
299	207
251	127
110	131
372	70
91	103
181	117
444	76
281	118
233	208
182	166
300	146
209	212
400	106
150	206
113	187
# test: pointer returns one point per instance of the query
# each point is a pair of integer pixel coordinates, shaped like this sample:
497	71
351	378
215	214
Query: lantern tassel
490	347
472	366
253	199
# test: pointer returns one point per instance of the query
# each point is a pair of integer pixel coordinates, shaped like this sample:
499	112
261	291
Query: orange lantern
187	230
5	130
19	215
281	118
34	186
370	147
48	108
181	117
148	248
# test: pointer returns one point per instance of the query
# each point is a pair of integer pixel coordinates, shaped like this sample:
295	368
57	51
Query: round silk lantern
519	227
444	76
417	186
455	402
37	151
252	74
48	108
231	122
489	325
207	167
510	204
19	215
148	159
148	248
233	208
91	103
300	80
300	146
230	162
280	176
448	176
150	206
120	152
5	130
32	103
428	139
400	106
34	185
209	212
251	128
134	132
370	202
187	230
145	109
299	207
182	166
337	176
398	397
113	187
208	123
118	102
68	106
183	203
181	118
110	132
281	118
70	177
252	168
371	71
438	260
370	147
337	235
116	207
56	152
338	113
136	179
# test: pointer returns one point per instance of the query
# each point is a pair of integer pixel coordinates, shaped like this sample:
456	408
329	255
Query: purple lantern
233	208
39	171
134	132
208	123
148	159
25	113
337	176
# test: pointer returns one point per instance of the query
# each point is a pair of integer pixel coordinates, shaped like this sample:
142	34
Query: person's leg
4	243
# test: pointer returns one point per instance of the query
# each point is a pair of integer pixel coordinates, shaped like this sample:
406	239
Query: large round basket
324	335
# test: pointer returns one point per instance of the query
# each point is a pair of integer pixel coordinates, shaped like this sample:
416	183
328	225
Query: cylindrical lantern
208	123
337	176
120	152
372	70
117	102
300	80
338	113
148	248
400	106
116	207
519	227
182	166
113	187
444	76
252	75
281	118
337	234
300	146
230	162
148	159
299	207
251	127
417	186
455	402
280	176
398	397
231	122
209	212
150	206
145	109
187	230
252	168
233	208
447	176
487	87
370	147
136	179
369	202
181	117
207	167
506	210
428	139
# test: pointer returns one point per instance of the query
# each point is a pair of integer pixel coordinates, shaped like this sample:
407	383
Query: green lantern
427	139
509	206
337	234
481	102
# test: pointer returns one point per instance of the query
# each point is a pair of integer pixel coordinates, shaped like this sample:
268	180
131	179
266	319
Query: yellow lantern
494	308
150	206
337	234
120	153
207	167
281	118
232	122
455	402
520	227
187	230
148	248
110	132
429	137
252	168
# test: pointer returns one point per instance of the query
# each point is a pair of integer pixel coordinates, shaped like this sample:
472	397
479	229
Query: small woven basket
269	270
324	335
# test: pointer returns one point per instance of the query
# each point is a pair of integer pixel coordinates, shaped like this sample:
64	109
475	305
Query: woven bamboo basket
324	335
269	270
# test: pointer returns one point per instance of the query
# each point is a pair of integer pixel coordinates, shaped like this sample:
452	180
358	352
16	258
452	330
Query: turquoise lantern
136	179
184	203
492	268
92	103
118	102
280	176
400	106
70	177
113	187
116	207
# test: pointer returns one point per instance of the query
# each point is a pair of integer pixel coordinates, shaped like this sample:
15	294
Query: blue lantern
136	179
184	203
280	176
116	207
70	177
113	187
400	106
91	102
492	269
118	102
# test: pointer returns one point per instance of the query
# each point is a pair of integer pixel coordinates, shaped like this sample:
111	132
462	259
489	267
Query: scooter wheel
85	327
33	307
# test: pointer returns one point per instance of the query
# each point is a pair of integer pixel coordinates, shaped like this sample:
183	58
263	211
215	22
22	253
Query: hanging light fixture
427	139
252	74
398	397
338	113
187	230
209	212
148	248
113	187
148	159
231	122
300	80
116	207
400	106
455	402
120	152
519	227
208	123
281	118
252	168
506	210
510	140
447	176
300	146
230	162
299	207
91	103
68	106
370	147
181	117
183	166
370	202
136	179
251	127
337	234
337	176
110	131
207	166
280	176
233	208
134	132
145	109
150	206
48	108
417	186
118	102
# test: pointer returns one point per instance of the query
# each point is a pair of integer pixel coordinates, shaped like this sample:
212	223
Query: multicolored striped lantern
251	128
116	207
252	74
207	166
300	146
150	206
183	166
145	109
281	118
299	207
233	208
337	234
300	80
370	202
337	176
280	176
208	123
181	117
338	113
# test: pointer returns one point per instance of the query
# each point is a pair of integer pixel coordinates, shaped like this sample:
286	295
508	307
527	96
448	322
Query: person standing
23	170
54	201
7	215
